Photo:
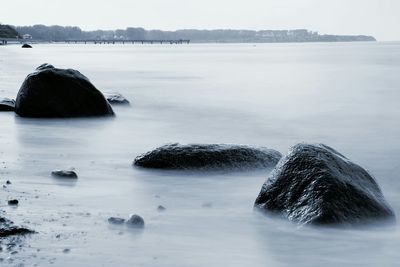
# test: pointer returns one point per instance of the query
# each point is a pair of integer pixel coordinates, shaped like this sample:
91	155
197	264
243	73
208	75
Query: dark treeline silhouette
60	33
7	31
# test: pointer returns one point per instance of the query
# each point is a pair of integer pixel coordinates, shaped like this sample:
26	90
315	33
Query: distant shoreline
34	42
60	33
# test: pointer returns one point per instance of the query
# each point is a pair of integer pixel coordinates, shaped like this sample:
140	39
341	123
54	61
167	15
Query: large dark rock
26	46
208	157
7	104
314	184
50	92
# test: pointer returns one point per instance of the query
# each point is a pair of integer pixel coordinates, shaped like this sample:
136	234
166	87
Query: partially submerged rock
314	184
7	104
208	157
26	46
7	228
116	220
135	221
207	205
116	98
50	92
161	208
64	174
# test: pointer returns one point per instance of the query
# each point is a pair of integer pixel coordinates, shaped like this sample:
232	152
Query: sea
344	95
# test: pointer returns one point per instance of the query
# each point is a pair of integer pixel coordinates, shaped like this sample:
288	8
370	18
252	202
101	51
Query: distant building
281	33
298	33
266	34
27	36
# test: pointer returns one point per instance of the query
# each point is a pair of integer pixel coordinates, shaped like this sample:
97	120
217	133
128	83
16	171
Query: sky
379	18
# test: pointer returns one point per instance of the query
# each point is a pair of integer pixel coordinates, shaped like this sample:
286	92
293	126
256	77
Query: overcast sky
380	18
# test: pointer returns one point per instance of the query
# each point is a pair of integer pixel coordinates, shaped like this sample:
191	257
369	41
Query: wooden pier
4	41
113	41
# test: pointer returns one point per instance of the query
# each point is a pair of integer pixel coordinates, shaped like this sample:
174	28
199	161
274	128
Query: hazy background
372	17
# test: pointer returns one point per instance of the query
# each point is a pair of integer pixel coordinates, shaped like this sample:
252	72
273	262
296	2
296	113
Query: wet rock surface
51	92
64	174
7	104
314	184
26	46
208	157
116	98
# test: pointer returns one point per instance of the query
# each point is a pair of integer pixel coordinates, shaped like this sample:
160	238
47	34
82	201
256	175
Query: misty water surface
273	95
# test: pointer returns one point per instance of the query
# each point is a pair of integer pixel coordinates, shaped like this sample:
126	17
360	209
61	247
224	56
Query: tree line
61	33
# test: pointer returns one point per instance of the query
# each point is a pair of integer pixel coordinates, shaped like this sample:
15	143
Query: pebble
207	205
13	202
161	208
64	174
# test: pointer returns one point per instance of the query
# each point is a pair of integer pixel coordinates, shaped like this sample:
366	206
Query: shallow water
273	95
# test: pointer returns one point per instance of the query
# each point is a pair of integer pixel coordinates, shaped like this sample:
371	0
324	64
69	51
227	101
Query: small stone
116	220
13	202
7	104
116	98
207	205
161	208
135	221
8	182
66	250
64	174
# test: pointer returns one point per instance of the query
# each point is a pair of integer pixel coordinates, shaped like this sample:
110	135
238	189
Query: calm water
274	95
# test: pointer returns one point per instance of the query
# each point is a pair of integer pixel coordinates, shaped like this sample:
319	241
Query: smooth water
345	95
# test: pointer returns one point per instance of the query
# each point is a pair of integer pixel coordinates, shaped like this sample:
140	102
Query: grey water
345	95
